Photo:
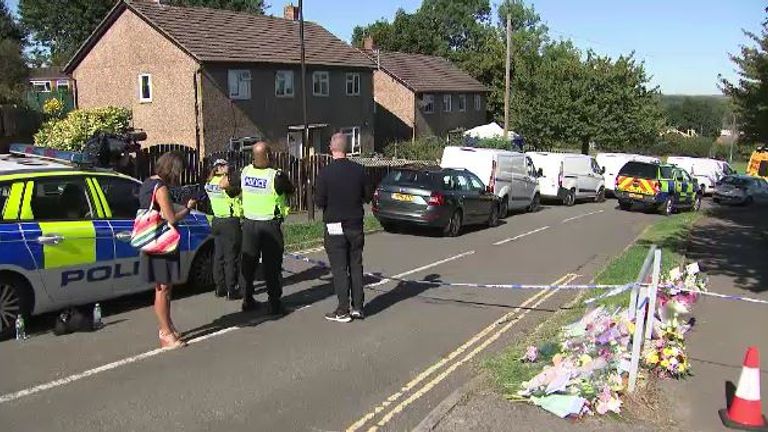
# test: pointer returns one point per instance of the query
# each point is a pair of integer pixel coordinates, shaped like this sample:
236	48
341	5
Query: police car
65	235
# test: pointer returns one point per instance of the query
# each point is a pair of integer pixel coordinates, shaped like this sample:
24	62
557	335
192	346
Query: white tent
490	130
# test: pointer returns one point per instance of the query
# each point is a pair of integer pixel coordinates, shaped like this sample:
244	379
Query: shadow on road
733	242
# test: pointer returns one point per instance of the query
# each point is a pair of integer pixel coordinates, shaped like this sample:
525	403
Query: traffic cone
745	412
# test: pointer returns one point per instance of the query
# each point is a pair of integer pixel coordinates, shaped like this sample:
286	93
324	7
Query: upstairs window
239	84
62	85
428	103
462	103
320	83
42	86
447	103
478	102
284	83
145	88
353	84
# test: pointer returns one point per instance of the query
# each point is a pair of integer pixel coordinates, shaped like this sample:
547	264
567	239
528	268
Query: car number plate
636	196
402	197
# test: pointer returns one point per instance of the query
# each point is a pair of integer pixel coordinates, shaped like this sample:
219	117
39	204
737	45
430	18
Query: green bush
494	143
422	149
677	145
72	131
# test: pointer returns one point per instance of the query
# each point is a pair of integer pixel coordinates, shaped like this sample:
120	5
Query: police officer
227	209
265	205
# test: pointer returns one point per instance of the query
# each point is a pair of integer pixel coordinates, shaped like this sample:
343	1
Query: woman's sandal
170	341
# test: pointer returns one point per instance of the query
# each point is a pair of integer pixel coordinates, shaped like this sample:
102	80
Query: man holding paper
341	192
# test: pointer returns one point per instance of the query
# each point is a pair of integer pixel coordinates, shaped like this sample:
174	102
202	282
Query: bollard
310	201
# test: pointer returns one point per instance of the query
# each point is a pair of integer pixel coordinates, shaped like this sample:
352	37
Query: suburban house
200	77
419	95
48	79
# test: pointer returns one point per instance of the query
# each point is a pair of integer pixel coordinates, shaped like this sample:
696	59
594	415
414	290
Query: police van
65	235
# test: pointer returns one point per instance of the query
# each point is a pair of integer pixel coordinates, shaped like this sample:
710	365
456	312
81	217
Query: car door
76	252
532	180
119	197
468	198
484	198
681	186
596	176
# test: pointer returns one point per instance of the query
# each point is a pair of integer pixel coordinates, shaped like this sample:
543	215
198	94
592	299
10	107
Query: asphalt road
300	372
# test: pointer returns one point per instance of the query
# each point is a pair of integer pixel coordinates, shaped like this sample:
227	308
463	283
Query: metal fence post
639	299
652	291
310	201
637	340
641	278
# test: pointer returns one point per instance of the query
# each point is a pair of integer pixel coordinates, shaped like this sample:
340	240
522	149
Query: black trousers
227	236
345	252
263	239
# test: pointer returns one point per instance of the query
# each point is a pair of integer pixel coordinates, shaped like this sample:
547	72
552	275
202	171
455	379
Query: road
300	372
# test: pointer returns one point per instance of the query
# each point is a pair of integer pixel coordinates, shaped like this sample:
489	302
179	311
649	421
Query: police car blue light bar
50	153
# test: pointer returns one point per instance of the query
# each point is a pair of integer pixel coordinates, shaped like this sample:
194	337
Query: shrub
72	131
53	108
422	149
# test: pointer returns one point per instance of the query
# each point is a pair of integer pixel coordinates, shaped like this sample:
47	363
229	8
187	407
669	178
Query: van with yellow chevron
65	234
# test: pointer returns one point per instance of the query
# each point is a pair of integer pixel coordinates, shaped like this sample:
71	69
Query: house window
447	103
462	103
320	86
62	85
42	86
353	84
478	102
239	84
353	139
428	103
145	88
284	84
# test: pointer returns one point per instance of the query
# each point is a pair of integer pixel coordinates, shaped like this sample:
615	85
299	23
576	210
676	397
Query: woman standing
164	270
227	207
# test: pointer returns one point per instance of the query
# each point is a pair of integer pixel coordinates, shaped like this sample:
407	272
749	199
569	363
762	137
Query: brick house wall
268	116
395	110
109	75
439	122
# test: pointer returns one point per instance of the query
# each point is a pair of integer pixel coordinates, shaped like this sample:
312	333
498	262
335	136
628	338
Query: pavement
300	372
731	248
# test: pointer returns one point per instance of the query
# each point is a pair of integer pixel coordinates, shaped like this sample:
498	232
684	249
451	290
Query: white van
706	171
569	176
510	175
613	162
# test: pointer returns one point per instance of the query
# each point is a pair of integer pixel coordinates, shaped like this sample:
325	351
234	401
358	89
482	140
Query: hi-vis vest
260	200
223	205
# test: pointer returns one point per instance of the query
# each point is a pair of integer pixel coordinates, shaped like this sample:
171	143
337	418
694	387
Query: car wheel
667	207
697	203
570	198
15	299
600	197
454	225
201	272
625	205
493	218
535	204
504	207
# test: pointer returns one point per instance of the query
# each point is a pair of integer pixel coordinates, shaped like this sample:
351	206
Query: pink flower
531	354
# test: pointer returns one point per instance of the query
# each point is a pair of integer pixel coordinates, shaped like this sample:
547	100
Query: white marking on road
458	351
422	268
581	216
517	237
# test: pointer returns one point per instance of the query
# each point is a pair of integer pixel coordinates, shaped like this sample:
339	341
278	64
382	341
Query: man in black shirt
341	192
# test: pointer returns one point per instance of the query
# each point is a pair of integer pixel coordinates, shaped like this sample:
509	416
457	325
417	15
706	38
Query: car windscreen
639	169
737	181
421	179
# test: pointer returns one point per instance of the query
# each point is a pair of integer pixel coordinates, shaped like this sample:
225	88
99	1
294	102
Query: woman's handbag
151	233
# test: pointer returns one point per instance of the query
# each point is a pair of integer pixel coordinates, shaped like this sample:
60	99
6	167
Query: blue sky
684	43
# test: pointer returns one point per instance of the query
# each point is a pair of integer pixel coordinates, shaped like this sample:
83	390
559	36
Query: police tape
614	290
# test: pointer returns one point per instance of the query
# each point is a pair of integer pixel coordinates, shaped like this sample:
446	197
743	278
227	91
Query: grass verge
670	234
307	235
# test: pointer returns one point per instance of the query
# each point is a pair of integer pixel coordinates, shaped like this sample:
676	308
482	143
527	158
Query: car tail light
375	203
436	199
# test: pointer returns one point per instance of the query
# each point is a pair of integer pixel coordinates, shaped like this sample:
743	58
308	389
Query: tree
704	114
13	70
750	93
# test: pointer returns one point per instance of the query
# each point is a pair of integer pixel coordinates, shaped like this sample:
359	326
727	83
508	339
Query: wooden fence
302	172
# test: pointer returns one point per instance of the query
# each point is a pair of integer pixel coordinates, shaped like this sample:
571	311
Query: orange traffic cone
745	412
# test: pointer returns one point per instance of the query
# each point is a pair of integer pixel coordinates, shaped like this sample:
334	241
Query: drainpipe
196	81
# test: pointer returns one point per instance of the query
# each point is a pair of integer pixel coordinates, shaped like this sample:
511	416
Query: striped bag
151	233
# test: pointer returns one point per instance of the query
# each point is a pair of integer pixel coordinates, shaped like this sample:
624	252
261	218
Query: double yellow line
488	336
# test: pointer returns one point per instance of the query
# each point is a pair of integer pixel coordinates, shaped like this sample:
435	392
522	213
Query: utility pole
507	77
305	132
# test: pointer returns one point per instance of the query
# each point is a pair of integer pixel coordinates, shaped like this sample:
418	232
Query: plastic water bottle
97	324
21	331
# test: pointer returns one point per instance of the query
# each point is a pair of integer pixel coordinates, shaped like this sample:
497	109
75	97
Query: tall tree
750	92
13	70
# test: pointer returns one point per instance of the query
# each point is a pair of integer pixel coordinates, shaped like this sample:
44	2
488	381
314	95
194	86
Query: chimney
291	12
368	44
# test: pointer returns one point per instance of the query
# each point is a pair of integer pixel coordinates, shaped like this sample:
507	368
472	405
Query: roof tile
424	73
